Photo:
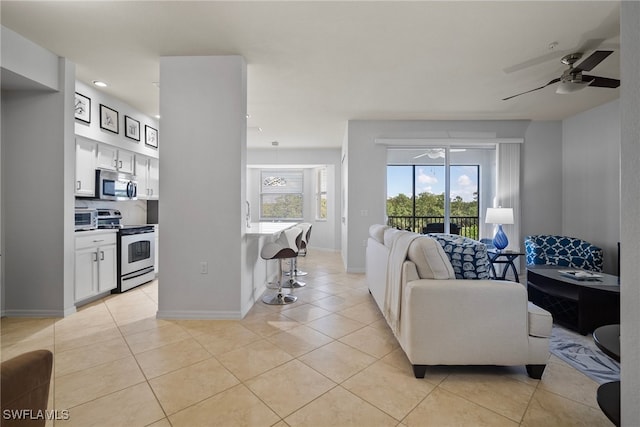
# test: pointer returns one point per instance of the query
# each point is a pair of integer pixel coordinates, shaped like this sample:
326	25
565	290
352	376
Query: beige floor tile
187	386
231	338
308	294
366	312
339	408
162	423
254	359
335	325
337	361
288	387
145	324
90	334
393	391
336	302
551	410
83	386
566	381
269	324
132	407
154	338
171	357
236	407
299	340
15	330
372	341
17	349
81	358
441	409
199	327
304	313
496	392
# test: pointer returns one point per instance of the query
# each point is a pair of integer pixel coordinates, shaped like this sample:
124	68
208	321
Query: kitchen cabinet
113	159
86	152
147	173
96	263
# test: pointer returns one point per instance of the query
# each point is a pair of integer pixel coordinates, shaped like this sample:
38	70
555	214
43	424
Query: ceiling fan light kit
572	79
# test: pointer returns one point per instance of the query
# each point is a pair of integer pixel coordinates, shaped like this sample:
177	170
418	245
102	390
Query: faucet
248	214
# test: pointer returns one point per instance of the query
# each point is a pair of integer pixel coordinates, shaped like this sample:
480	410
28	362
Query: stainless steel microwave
115	186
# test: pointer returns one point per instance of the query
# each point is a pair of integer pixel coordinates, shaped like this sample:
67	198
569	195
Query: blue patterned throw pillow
468	257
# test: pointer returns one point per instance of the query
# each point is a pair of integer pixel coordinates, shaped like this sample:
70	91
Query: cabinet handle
96	241
78	185
101	255
95	257
115	163
120	162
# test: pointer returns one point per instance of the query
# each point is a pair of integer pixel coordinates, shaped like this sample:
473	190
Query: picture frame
150	136
109	119
131	128
83	108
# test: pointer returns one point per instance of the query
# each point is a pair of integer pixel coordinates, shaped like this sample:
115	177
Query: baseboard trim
37	313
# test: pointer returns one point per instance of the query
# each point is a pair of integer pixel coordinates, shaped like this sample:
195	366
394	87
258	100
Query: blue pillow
468	257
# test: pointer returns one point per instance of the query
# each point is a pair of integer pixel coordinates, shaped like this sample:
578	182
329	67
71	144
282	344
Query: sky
464	180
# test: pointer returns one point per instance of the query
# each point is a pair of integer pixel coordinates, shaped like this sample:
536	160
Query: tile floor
327	360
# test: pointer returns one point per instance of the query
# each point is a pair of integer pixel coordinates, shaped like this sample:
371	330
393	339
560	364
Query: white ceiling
312	66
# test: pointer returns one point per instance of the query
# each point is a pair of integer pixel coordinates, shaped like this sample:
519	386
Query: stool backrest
291	238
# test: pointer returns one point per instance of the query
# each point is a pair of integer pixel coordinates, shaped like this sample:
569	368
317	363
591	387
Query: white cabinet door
153	179
86	273
107	157
107	274
142	172
86	152
125	161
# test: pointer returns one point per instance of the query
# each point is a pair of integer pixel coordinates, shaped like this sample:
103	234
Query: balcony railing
468	225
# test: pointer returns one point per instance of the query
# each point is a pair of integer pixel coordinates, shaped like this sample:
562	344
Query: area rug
581	352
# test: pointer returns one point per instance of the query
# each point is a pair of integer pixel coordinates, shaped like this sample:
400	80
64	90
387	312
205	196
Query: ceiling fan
572	78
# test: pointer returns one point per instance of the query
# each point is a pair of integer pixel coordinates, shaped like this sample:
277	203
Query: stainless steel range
136	250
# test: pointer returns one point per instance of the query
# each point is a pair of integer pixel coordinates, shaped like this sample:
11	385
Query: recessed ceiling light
100	83
248	116
157	116
156	84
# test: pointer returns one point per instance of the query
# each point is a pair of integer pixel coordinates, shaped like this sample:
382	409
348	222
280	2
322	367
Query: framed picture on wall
108	119
151	136
131	128
83	108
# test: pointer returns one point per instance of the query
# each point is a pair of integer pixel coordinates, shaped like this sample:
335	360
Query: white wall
325	234
591	179
38	181
630	210
541	169
28	63
203	175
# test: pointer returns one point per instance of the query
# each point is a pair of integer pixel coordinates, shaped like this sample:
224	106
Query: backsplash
134	212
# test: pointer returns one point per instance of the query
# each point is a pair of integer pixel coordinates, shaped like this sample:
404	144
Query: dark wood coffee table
581	305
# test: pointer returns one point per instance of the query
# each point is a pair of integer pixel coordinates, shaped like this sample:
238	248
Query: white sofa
440	320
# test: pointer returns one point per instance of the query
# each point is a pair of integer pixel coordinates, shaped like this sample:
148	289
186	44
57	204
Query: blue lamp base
500	240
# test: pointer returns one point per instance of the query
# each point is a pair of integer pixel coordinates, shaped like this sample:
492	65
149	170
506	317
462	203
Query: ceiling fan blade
594	59
538	88
601	81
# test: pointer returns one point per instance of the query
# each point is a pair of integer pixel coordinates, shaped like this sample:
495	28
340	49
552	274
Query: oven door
137	252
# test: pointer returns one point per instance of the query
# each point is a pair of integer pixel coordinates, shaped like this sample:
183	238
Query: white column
202	141
508	191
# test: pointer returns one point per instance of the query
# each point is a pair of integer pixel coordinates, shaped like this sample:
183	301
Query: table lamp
499	216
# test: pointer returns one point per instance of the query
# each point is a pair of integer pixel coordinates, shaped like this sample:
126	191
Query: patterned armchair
563	251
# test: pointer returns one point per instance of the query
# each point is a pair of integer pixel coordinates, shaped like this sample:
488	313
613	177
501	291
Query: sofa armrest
409	272
464	322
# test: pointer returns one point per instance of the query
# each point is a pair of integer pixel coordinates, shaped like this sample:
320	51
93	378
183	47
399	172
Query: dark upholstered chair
563	251
25	386
438	227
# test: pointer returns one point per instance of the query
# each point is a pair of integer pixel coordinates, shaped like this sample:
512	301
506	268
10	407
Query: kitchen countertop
268	228
97	231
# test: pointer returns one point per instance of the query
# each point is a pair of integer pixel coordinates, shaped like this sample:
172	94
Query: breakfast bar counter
268	228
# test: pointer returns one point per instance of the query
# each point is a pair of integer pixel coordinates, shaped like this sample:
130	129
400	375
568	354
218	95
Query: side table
506	258
607	338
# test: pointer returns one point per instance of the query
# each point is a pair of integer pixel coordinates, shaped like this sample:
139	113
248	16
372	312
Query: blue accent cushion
468	257
563	251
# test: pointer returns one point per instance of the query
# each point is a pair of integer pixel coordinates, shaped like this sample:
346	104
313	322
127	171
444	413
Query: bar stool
281	249
302	249
293	282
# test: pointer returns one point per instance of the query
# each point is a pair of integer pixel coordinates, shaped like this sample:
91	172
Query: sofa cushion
376	231
390	236
540	321
430	259
468	257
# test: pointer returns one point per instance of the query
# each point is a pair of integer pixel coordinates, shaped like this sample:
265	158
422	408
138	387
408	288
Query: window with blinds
321	194
281	194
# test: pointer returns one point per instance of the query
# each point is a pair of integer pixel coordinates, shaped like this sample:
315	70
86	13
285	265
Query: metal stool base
279	299
293	284
296	273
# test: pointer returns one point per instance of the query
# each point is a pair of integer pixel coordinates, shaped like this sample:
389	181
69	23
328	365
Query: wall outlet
204	267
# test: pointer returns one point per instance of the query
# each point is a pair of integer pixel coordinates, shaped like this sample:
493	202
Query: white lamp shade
499	216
